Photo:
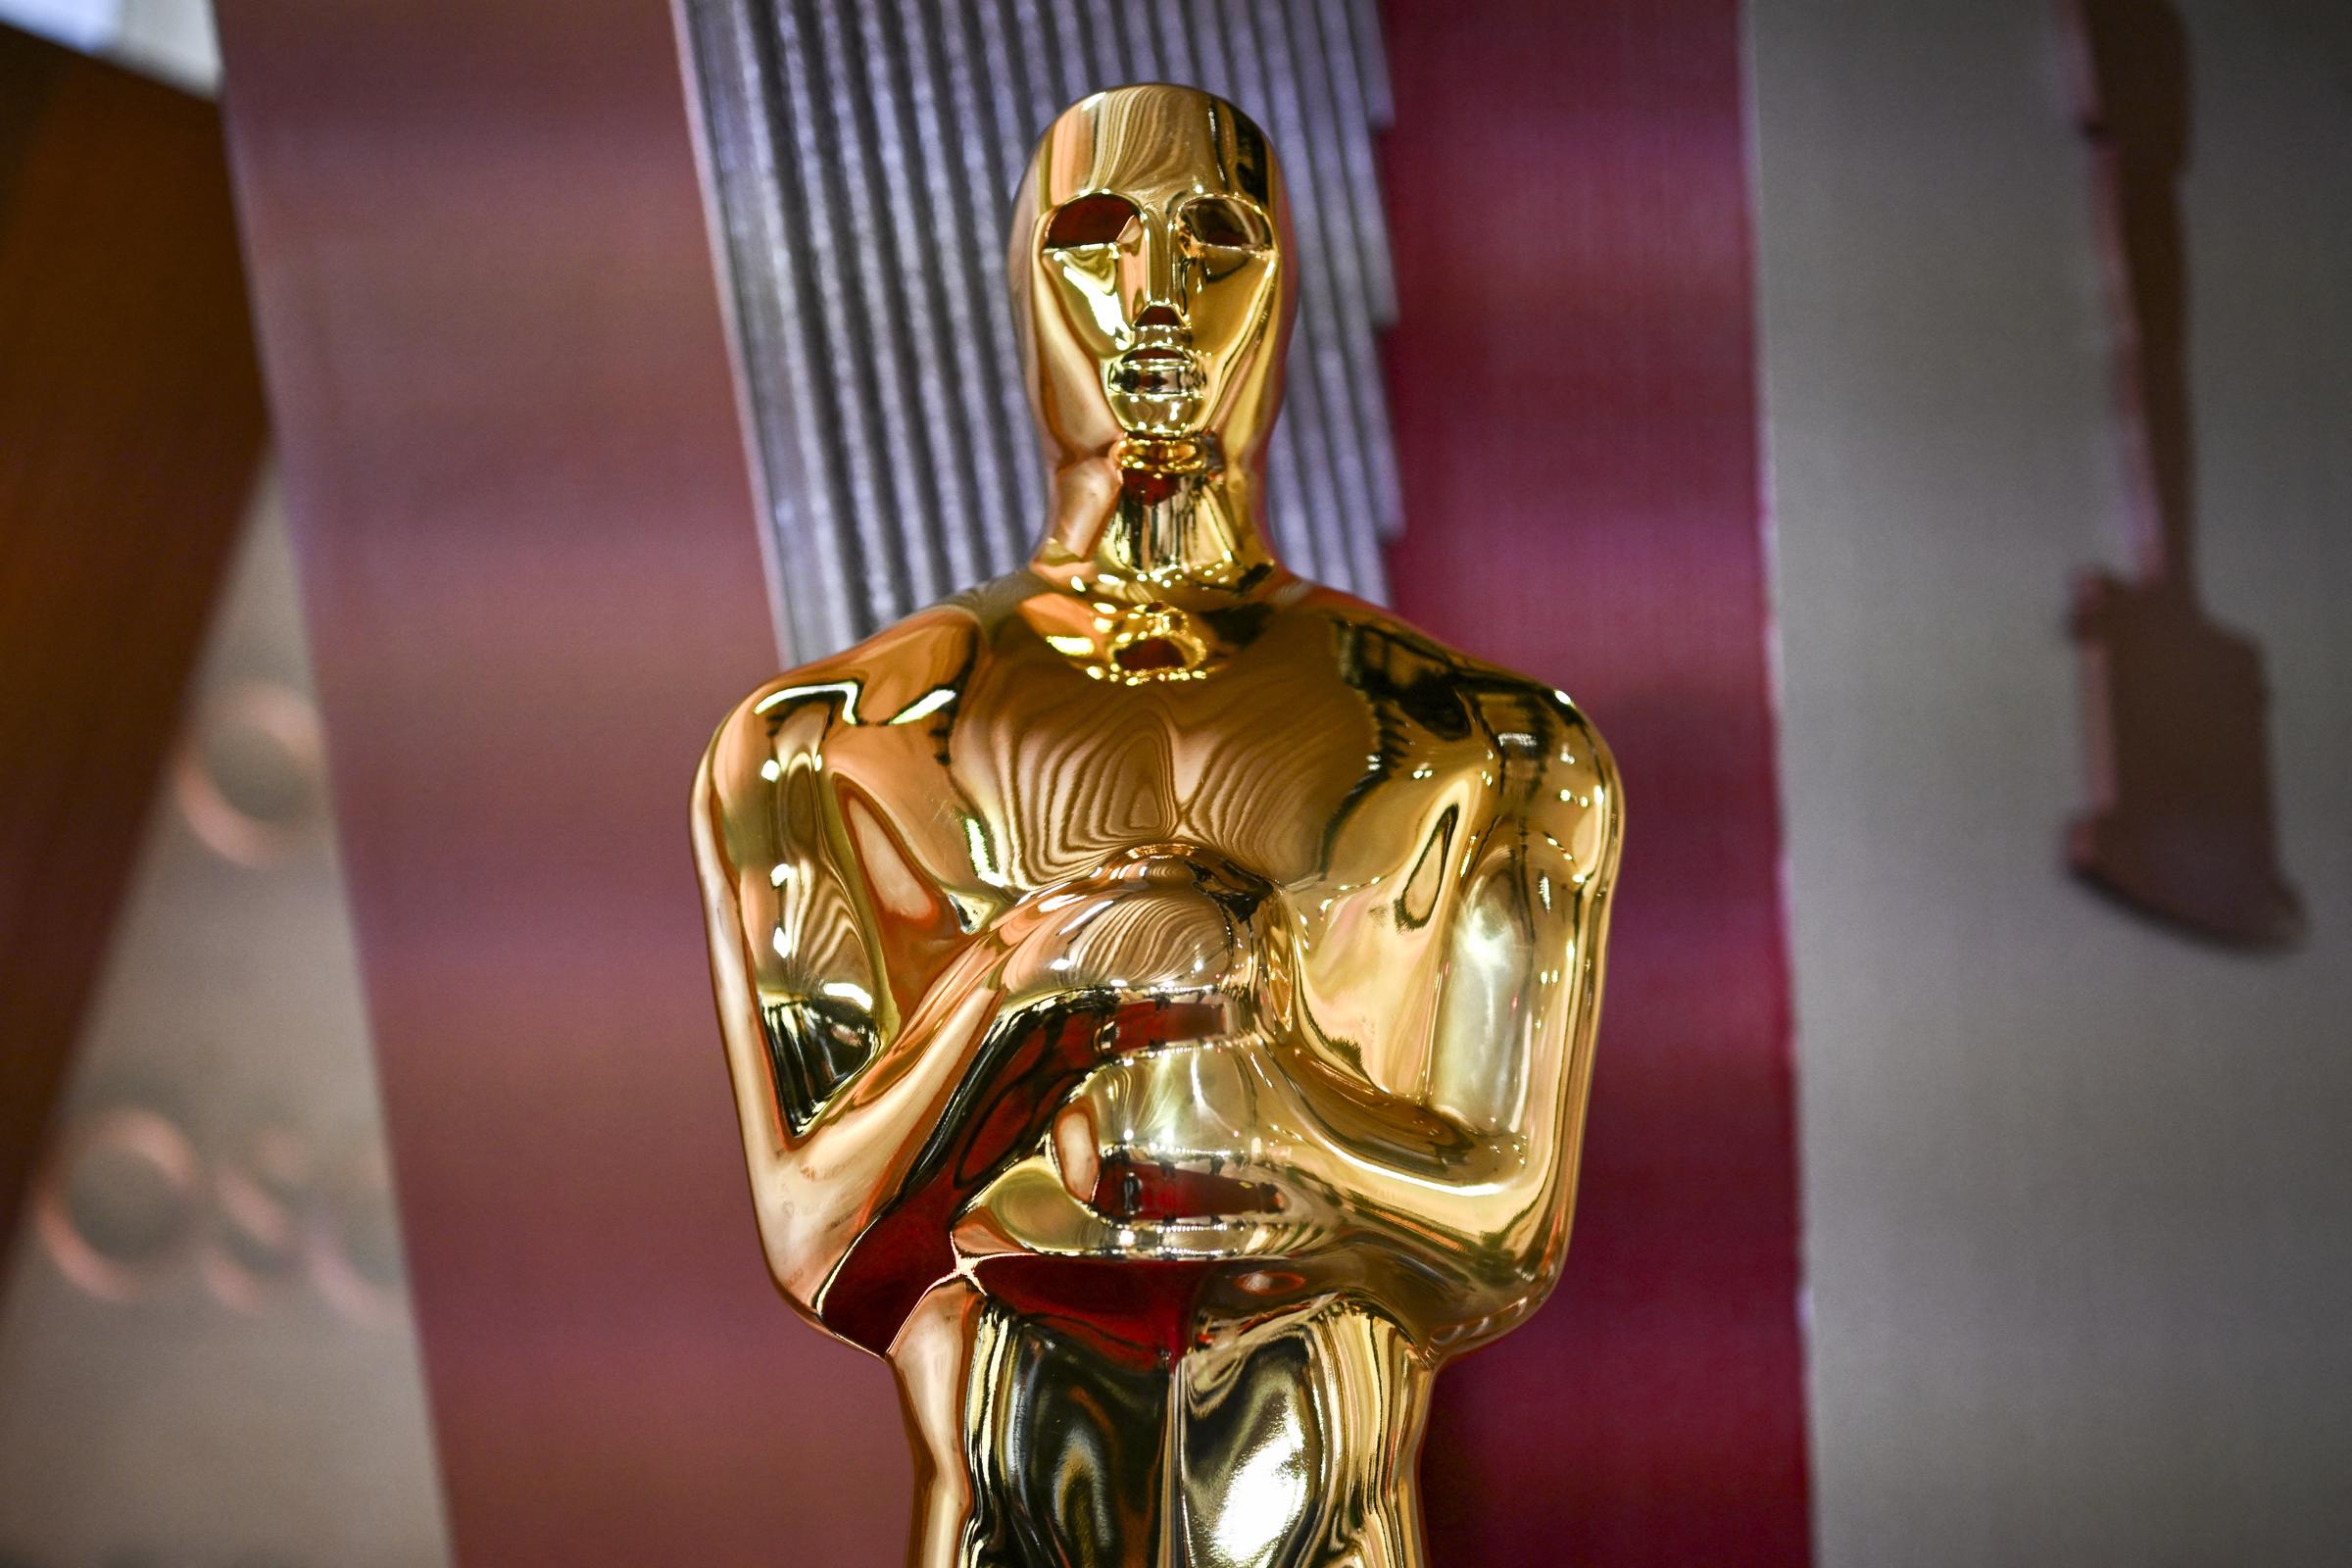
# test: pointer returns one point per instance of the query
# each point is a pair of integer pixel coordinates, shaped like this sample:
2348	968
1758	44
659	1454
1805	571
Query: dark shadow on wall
2181	825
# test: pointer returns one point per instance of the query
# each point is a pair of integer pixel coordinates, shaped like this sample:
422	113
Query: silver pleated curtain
865	156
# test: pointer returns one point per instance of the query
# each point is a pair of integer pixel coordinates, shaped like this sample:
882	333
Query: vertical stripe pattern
864	156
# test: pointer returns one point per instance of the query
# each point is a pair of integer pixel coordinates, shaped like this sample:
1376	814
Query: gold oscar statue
1160	991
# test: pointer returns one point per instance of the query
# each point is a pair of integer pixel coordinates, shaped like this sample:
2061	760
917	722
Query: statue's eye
1225	223
1089	220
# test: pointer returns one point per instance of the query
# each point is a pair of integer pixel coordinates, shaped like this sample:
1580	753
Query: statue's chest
1068	775
1282	765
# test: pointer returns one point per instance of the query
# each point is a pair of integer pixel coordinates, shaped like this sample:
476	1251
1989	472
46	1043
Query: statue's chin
1158	418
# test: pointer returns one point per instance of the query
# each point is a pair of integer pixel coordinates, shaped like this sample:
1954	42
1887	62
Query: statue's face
1149	267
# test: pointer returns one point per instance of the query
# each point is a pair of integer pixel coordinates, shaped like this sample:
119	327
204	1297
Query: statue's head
1150	274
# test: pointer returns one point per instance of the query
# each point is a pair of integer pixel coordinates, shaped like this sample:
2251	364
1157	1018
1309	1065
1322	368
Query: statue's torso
1350	882
989	748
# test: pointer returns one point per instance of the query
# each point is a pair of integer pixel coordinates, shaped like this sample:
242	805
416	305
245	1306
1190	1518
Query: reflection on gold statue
1160	991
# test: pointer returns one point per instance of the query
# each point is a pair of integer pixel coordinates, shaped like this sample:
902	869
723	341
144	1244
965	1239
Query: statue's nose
1149	282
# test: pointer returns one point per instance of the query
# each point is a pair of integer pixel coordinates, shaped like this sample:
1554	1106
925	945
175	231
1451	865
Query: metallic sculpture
1160	991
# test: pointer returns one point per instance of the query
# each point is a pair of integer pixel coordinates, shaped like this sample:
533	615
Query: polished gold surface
1160	991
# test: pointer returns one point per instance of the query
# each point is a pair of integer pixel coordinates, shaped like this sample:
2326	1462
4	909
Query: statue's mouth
1158	370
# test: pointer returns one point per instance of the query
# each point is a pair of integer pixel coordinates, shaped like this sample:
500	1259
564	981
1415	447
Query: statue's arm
1519	1007
836	1090
1510	1059
741	827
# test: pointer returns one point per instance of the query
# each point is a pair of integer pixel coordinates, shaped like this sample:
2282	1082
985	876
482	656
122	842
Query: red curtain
1573	381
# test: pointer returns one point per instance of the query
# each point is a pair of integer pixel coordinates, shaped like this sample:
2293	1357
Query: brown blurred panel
131	424
516	474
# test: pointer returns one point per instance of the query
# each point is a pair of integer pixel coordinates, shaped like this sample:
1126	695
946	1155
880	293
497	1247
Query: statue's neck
1293	1444
1169	514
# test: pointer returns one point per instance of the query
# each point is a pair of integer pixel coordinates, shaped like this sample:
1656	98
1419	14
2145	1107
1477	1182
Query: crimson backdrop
1573	379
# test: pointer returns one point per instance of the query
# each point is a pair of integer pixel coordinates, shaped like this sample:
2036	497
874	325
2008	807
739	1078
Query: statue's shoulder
1456	694
927	658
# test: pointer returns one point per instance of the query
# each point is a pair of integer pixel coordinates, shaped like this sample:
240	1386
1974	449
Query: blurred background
1918	435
